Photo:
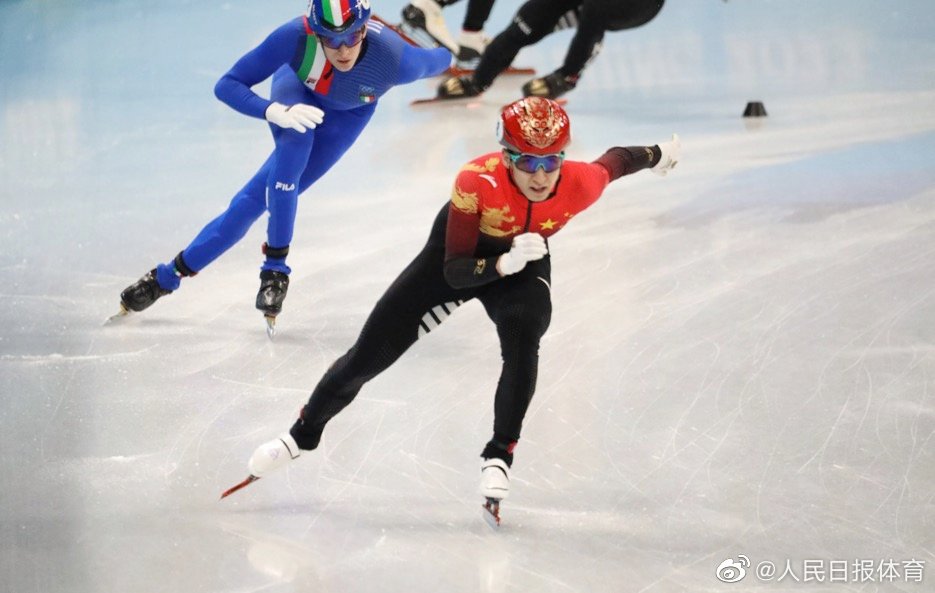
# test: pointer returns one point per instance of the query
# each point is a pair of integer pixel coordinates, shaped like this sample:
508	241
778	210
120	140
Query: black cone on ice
754	109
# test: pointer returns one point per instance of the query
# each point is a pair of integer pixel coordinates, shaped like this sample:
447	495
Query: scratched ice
740	360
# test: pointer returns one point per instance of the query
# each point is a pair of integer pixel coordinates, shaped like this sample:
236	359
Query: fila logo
285	186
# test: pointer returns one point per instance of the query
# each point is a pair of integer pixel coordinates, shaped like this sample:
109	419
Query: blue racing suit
294	57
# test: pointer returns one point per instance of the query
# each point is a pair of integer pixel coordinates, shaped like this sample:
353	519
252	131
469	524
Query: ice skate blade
423	38
250	479
464	69
472	102
491	513
270	326
123	312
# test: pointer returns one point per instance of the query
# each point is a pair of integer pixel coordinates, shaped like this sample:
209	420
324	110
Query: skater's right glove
299	117
526	248
670	156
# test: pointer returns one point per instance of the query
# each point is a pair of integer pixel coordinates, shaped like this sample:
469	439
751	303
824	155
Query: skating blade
468	102
123	312
462	70
250	479
491	510
270	326
421	37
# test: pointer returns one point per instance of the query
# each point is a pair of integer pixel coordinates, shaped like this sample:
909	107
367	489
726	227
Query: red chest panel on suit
486	199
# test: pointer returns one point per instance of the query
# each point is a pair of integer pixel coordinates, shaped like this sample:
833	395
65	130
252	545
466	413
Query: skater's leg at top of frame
584	47
521	309
565	78
534	20
423	19
472	41
594	18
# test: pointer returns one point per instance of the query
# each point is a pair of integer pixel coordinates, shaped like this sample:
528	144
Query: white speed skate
494	486
494	478
424	23
273	455
268	457
471	44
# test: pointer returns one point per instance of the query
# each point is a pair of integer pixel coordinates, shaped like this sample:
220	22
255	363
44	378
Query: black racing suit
537	18
434	284
418	300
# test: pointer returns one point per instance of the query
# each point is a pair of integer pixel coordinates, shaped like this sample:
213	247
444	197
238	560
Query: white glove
670	156
526	248
299	117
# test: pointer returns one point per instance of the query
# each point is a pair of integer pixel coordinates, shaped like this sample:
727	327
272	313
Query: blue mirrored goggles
348	38
529	163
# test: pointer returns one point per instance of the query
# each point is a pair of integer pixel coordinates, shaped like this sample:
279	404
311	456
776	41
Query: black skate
552	86
140	295
458	87
451	90
467	57
273	288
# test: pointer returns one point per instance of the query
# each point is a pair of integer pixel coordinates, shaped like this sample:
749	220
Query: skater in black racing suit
534	21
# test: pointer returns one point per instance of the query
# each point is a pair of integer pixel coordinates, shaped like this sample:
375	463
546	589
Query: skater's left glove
670	156
526	247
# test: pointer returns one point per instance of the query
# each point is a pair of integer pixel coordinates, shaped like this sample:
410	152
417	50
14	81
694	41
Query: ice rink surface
740	363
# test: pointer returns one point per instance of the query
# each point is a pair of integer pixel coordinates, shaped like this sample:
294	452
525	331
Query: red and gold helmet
534	125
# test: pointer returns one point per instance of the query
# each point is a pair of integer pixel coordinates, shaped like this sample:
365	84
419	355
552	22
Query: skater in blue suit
329	69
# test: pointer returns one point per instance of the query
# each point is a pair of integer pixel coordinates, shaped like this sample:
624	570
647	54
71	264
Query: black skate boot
552	86
458	87
142	293
468	58
273	288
